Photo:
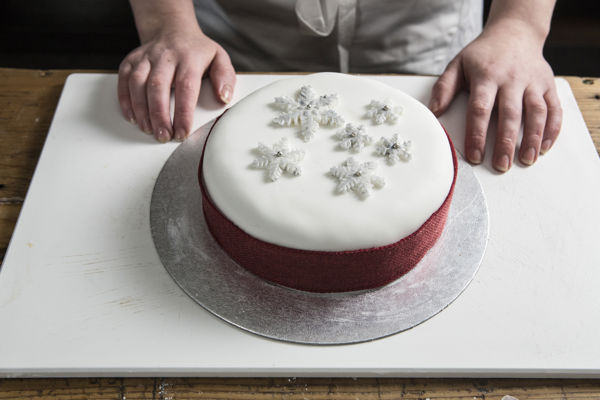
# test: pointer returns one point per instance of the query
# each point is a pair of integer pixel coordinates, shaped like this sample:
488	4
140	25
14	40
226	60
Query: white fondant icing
306	212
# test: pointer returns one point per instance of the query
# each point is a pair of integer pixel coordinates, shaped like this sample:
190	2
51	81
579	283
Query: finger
123	91
479	109
535	110
137	93
222	76
159	99
446	87
510	104
187	88
553	121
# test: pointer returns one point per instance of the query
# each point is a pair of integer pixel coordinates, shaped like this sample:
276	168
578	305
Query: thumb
222	76
446	88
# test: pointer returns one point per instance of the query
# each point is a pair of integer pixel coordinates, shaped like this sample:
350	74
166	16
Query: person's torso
410	36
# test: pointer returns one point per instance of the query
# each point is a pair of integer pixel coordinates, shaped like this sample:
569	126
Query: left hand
505	67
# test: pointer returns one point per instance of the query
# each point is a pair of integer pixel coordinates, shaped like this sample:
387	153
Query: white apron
363	36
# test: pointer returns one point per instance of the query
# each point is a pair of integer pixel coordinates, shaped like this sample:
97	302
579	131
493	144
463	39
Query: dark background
97	34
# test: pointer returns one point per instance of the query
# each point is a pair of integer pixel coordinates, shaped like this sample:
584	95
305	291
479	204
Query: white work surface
83	293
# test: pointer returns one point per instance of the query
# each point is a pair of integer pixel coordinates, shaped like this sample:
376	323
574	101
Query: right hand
172	58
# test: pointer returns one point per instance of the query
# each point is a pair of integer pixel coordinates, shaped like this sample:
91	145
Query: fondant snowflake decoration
278	159
393	150
308	111
383	111
353	138
358	177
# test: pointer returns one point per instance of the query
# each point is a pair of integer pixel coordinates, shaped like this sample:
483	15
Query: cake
327	182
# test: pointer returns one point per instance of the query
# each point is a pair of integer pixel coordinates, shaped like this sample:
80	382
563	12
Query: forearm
534	16
154	16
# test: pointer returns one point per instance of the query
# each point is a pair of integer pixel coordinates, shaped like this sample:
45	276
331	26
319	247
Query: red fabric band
323	271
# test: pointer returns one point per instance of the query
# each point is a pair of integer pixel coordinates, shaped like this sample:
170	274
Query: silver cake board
206	273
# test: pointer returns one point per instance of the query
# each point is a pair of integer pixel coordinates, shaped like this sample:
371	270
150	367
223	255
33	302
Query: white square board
83	293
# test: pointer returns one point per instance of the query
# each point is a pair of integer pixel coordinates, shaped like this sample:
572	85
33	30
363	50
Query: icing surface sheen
306	212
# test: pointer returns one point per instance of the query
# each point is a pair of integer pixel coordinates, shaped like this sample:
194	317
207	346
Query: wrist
163	18
167	26
521	20
517	29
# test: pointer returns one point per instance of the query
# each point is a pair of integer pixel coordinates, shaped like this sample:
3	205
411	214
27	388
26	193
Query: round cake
327	182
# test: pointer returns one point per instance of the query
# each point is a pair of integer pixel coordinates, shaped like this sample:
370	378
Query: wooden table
28	99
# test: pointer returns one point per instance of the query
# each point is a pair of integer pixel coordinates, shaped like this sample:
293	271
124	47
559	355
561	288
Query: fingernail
163	135
528	156
226	92
131	117
502	163
146	127
475	156
546	144
434	105
180	135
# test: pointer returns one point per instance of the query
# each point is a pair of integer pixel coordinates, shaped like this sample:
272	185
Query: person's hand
172	58
505	67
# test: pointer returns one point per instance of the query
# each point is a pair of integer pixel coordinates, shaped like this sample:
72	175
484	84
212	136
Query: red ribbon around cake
325	271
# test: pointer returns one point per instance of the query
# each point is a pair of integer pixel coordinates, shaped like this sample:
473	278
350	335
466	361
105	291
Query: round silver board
203	270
